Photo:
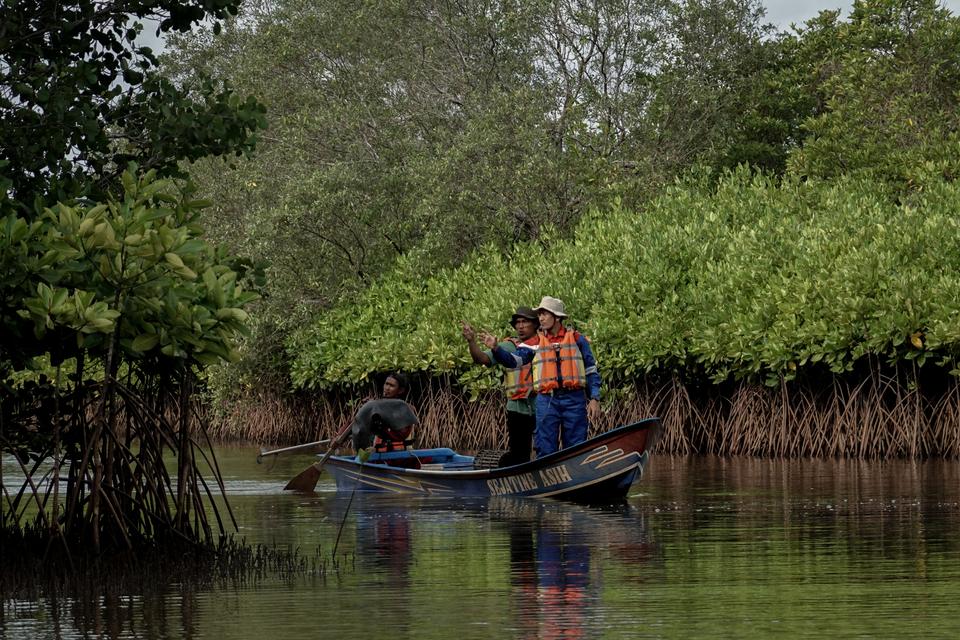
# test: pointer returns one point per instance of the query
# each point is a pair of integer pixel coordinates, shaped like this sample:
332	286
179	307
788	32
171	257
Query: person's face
391	389
525	328
547	320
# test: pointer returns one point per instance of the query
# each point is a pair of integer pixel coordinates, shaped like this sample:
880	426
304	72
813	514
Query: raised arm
515	360
470	335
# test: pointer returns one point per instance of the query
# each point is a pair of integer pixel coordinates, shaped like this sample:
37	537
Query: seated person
386	424
392	438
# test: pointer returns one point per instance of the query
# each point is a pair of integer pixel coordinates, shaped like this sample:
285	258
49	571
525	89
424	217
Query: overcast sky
784	12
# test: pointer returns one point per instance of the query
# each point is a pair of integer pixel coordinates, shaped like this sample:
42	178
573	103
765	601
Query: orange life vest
558	365
398	440
518	383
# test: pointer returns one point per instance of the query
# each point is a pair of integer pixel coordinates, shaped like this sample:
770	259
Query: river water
704	547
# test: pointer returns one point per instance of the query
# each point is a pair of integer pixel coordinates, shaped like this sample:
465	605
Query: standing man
517	384
565	378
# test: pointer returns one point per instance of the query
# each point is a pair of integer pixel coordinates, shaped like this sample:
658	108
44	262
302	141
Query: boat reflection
558	555
549	575
384	541
384	557
549	558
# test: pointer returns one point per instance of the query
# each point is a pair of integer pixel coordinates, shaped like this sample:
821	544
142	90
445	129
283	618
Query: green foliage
134	270
711	99
104	272
429	130
465	154
773	107
79	99
885	83
749	280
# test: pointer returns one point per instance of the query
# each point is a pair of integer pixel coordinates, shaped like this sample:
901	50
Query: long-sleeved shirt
525	354
527	406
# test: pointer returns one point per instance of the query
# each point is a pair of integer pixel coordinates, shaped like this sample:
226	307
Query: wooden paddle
307	479
263	454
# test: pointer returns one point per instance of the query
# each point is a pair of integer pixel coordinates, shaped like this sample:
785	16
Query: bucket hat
524	312
553	305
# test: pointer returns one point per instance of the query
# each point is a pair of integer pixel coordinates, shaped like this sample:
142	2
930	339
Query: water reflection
550	574
750	547
555	580
153	606
384	552
534	569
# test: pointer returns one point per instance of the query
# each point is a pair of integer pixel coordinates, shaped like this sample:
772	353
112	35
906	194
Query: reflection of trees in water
816	502
557	555
107	605
553	571
155	594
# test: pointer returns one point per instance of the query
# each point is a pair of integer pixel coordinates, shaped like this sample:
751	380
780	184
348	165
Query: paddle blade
306	480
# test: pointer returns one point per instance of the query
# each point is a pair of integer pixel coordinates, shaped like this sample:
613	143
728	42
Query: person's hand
488	340
468	331
594	412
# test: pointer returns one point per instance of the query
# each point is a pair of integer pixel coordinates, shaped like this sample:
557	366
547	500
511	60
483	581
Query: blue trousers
560	415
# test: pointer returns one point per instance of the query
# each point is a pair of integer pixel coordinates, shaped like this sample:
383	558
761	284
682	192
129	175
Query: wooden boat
599	470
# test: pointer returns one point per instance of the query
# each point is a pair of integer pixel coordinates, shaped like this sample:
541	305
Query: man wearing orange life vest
517	384
565	378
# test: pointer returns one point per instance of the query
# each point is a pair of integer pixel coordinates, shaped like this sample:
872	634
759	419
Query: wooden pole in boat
307	479
263	454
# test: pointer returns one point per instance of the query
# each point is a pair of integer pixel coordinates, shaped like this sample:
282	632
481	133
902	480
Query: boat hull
601	469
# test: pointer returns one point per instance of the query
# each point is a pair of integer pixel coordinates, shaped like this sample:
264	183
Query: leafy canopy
752	279
104	270
421	131
885	84
79	99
